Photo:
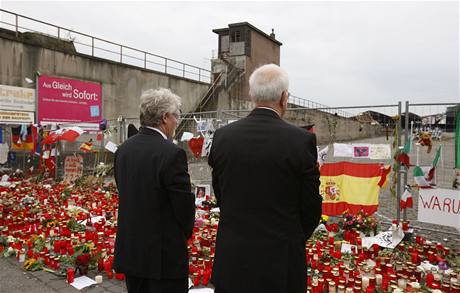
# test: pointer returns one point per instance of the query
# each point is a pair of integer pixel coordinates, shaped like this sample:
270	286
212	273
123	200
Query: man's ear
284	99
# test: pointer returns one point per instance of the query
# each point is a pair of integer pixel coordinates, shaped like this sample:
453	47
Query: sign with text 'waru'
439	206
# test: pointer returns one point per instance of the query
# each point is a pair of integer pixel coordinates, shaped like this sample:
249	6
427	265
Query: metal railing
305	103
142	59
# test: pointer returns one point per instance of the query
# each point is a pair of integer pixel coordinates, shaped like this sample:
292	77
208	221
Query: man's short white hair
155	103
267	83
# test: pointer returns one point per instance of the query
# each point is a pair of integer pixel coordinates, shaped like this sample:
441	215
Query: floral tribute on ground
70	230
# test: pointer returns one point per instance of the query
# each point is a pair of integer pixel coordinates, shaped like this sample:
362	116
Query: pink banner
64	100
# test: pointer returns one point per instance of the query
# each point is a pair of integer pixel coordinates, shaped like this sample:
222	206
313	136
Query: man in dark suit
266	182
156	206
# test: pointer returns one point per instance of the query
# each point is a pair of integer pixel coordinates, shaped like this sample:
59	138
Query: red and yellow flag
350	187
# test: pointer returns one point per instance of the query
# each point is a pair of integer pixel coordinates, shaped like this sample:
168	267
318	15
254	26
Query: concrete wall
330	128
122	84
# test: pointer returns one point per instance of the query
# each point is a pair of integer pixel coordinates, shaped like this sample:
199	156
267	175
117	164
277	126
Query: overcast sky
336	53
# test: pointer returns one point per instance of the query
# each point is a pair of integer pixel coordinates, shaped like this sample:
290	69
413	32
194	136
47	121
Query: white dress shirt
157	130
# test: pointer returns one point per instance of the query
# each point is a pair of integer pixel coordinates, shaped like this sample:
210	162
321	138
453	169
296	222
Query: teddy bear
425	140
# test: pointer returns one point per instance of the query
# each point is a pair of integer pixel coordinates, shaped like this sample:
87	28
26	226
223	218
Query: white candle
98	279
378	279
402	283
365	282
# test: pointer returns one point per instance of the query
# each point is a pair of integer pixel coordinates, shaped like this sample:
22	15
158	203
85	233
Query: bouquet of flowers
361	222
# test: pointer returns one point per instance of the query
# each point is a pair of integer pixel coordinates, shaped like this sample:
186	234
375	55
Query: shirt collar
157	130
269	109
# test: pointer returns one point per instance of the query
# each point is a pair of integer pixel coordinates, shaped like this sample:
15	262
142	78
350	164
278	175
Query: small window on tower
236	36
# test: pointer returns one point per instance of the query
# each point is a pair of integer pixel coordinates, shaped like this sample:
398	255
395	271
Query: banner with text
63	100
16	117
15	98
439	206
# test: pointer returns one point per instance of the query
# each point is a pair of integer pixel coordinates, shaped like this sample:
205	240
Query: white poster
362	151
110	146
207	143
380	152
439	206
343	150
202	126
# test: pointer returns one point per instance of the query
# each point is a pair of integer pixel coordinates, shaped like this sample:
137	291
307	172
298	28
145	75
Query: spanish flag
351	187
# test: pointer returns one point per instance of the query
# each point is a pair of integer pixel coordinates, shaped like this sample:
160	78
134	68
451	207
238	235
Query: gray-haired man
156	207
266	183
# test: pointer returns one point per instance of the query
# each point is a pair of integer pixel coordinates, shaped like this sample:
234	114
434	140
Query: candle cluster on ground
58	227
71	229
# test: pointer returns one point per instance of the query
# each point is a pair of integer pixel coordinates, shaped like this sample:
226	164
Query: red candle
70	275
119	276
405	226
429	279
414	257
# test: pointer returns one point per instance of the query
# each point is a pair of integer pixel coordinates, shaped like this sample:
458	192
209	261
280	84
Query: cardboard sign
73	168
439	206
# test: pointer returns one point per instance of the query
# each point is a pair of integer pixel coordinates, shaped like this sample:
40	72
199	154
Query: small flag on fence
68	134
403	156
430	174
406	198
419	177
86	146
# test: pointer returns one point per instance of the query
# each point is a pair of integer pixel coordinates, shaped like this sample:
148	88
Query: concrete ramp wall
122	84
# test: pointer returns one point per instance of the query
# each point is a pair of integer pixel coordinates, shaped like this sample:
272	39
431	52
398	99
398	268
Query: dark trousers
141	285
220	290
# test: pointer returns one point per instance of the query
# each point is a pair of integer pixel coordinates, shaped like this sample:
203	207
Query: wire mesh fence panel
90	147
362	126
431	128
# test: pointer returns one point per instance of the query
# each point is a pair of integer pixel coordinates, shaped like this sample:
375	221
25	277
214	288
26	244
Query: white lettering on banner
84	95
61	86
439	206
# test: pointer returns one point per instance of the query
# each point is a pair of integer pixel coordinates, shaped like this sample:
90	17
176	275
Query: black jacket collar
264	112
148	131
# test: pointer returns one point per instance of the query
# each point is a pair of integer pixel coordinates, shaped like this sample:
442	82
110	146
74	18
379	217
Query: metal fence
373	124
305	103
98	47
437	120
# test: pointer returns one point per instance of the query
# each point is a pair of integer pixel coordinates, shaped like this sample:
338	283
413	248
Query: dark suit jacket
156	207
266	181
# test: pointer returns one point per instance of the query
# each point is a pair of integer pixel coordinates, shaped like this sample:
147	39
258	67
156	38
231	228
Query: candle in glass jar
70	275
402	283
364	282
331	287
378	280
